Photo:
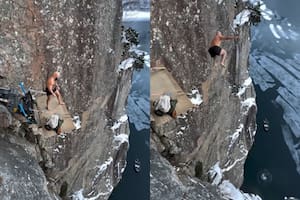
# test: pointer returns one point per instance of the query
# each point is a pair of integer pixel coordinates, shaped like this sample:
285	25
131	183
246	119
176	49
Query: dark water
272	168
136	186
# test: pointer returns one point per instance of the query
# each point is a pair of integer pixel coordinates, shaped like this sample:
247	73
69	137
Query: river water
272	168
136	186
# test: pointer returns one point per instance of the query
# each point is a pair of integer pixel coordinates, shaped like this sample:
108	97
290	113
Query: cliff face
82	40
222	128
167	182
20	174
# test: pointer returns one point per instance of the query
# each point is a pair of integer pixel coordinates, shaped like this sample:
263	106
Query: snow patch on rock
235	135
241	18
77	122
118	123
215	173
104	166
78	195
244	86
196	97
248	103
266	13
120	139
126	64
229	191
139	52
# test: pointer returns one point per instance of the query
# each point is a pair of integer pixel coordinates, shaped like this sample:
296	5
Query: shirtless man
53	88
216	50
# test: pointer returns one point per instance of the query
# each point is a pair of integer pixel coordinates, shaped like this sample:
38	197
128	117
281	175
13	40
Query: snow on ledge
126	64
147	60
104	166
120	139
136	15
139	52
234	163
78	195
235	135
241	18
77	122
117	124
245	85
196	97
266	13
229	191
216	174
248	103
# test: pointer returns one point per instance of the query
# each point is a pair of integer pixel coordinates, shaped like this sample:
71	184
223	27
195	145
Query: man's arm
51	90
50	85
229	37
57	87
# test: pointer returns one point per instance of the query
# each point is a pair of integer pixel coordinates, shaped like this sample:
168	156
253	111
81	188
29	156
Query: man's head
56	74
218	33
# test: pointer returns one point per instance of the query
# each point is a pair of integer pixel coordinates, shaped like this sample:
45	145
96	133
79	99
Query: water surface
272	168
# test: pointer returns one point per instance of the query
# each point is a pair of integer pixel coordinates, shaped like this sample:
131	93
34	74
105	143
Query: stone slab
54	108
161	82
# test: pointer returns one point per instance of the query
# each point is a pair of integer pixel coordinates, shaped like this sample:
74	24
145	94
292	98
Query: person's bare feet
222	64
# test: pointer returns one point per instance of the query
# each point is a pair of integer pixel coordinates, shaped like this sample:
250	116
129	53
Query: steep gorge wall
81	39
220	129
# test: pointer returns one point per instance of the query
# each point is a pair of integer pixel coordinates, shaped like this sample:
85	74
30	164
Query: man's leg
223	54
214	61
47	103
59	97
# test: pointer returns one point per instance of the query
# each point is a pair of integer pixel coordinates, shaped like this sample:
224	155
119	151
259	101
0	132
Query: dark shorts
214	51
48	92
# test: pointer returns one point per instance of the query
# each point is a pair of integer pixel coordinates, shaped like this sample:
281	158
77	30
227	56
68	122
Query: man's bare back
217	40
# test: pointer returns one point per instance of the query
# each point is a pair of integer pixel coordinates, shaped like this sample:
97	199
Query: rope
37	91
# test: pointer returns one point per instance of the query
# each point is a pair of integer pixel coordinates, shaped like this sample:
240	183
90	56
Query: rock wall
222	128
20	175
81	39
41	37
167	182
